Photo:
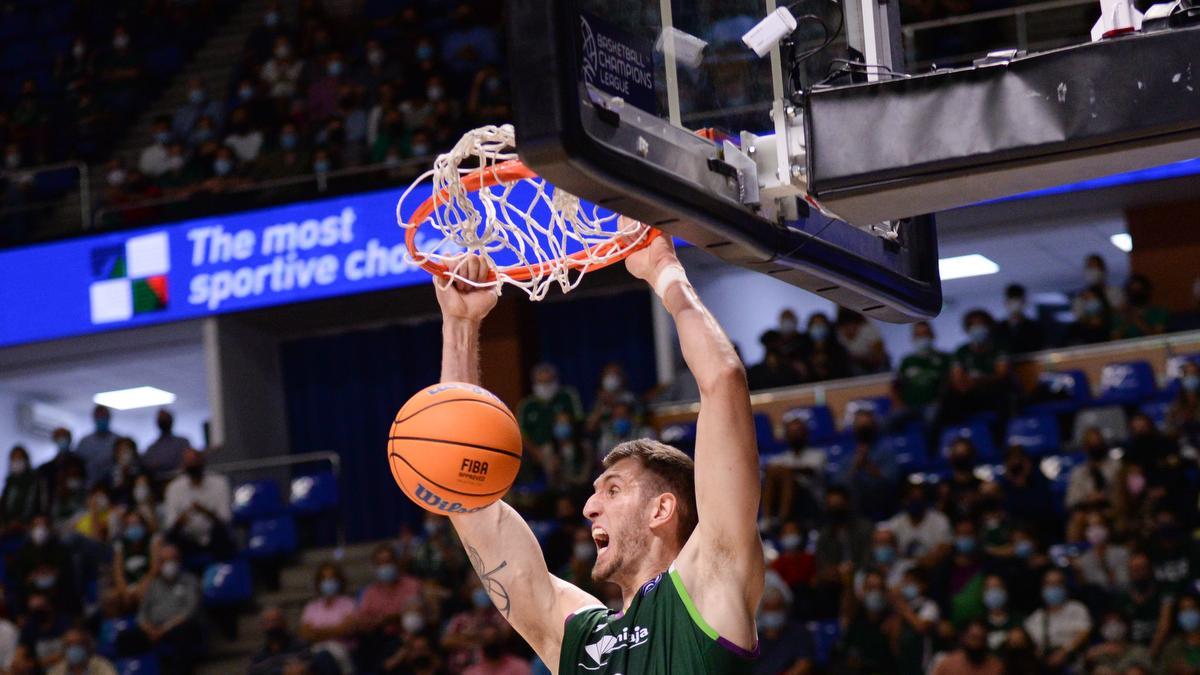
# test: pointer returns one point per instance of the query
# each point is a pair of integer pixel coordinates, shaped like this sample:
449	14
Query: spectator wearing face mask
132	563
286	157
794	484
79	657
961	579
1114	653
917	619
1095	277
438	555
323	92
1017	333
921	377
327	621
1182	651
1093	319
281	651
794	564
1023	570
42	564
127	466
979	376
784	644
922	532
70	495
569	460
54	471
94	522
389	595
998	619
884	557
823	355
539	411
1140	316
495	657
775	370
1093	483
168	616
870	472
867	626
281	74
1148	604
1061	626
972	657
96	449
843	540
198	105
959	496
23	492
622	426
1027	494
613	390
145	502
464	632
1173	552
785	338
863	343
43	630
1019	653
1104	567
164	456
198	508
1183	417
153	160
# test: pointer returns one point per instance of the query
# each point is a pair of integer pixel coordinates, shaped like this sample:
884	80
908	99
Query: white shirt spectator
212	493
281	77
154	160
246	146
863	344
1081	485
1094	570
8	643
1058	628
914	540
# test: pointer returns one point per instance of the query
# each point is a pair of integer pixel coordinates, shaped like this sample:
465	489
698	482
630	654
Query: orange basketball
454	448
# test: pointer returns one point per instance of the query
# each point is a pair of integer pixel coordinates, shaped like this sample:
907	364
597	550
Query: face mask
335	68
995	598
330	587
432	528
271	19
78	51
102	426
386	573
412	622
611	383
819	332
245	93
480	599
1189	620
922	344
978	334
287	141
282	52
196	96
563	431
44	581
790	542
63	444
1113	631
424	53
964	545
787	326
1135	482
11	161
135	533
222	166
1013	306
1191	382
1093	275
910	592
116	177
170	570
101	502
874	601
321	166
493	84
1092	307
420	150
772	620
375	57
74	484
545	390
77	655
203	134
162	137
1023	549
1054	595
884	555
141	493
39	534
18	466
435	93
1096	534
584	551
121	41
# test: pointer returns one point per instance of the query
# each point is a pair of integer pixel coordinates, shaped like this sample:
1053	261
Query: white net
531	234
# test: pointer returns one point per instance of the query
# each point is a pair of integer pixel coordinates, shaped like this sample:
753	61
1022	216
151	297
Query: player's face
617	511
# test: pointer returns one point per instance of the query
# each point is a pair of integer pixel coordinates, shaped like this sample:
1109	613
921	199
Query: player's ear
665	506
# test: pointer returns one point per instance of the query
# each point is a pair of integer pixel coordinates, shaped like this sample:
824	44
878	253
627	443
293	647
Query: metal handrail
85	191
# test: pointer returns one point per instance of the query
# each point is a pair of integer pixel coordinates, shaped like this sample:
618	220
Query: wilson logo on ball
432	499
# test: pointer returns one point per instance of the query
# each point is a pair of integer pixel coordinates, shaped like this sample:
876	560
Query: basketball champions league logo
589	51
129	279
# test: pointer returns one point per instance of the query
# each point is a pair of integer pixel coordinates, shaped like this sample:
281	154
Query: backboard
658	110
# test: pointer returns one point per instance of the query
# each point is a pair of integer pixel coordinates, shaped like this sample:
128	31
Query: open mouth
601	538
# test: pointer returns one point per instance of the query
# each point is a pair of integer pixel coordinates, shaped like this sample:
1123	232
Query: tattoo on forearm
495	589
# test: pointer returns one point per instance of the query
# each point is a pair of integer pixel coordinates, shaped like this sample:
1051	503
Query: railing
1019	15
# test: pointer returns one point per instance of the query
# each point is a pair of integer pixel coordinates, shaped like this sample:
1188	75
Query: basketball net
553	237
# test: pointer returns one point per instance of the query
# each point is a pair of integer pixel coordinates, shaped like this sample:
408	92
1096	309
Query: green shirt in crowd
537	415
922	376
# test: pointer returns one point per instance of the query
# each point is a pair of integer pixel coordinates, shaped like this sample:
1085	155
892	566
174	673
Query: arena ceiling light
137	397
1122	241
963	266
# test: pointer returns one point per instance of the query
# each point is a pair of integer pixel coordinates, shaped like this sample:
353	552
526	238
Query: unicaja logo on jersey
431	498
600	650
130	278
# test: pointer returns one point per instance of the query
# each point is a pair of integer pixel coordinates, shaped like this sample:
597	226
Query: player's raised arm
499	544
722	564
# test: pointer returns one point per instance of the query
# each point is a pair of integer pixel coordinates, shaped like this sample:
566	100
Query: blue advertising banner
197	268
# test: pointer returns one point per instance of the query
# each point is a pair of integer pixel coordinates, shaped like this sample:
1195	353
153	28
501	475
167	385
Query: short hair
1014	291
980	314
337	574
673	472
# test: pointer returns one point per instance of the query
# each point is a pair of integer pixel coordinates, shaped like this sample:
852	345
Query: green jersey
921	377
660	634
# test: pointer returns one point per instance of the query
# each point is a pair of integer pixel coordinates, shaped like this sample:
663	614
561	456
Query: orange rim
507	172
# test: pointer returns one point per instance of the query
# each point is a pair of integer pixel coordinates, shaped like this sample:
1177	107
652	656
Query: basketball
454	448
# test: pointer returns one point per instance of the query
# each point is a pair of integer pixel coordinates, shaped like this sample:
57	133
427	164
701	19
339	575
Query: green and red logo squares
130	279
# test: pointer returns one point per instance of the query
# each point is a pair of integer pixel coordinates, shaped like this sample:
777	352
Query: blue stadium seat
1069	386
910	450
824	638
682	436
1038	434
256	499
14	25
819	420
272	538
1126	383
1157	412
313	494
880	405
146	664
979	434
837	453
227	584
111	631
542	529
764	433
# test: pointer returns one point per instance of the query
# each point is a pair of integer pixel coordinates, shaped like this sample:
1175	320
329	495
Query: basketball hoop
550	235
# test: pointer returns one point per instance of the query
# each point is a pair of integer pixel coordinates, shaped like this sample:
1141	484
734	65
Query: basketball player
680	540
